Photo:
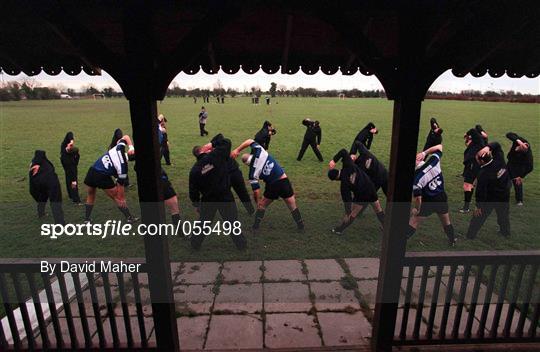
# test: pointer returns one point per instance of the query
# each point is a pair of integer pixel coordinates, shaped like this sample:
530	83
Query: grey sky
446	82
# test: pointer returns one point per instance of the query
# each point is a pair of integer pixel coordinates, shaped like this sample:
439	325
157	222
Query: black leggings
503	218
72	192
237	183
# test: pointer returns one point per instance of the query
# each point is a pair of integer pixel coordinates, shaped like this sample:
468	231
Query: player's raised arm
244	145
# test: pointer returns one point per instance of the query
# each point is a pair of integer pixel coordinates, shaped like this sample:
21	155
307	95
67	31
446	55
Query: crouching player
113	164
357	190
429	194
263	166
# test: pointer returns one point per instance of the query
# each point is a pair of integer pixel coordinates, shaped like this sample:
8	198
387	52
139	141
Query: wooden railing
91	311
469	297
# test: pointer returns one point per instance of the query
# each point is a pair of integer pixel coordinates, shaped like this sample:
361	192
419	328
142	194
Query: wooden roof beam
287	44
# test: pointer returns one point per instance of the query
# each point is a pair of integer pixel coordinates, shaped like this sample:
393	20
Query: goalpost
341	96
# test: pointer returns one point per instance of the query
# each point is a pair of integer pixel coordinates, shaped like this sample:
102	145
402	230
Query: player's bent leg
377	208
467	196
90	200
414	223
174	209
448	228
348	219
259	214
295	212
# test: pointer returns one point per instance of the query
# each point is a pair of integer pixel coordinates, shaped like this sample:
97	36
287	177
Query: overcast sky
241	81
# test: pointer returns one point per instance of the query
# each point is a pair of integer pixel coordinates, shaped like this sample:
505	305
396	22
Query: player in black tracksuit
372	167
69	157
474	142
520	163
492	190
312	138
357	190
235	175
44	185
210	190
365	136
265	134
434	136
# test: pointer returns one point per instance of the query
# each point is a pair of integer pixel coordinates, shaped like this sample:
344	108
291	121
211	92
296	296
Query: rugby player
357	190
69	157
312	138
44	185
265	134
474	142
428	192
203	116
520	163
235	174
263	166
492	190
369	163
113	164
210	189
164	139
365	136
434	136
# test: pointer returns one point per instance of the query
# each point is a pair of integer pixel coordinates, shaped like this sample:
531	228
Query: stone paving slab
368	291
242	272
428	296
88	307
286	297
65	331
324	269
332	296
344	329
235	332
283	270
121	328
193	299
291	330
198	273
192	331
363	268
470	288
240	298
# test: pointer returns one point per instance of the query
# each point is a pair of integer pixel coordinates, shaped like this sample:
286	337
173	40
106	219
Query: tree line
32	90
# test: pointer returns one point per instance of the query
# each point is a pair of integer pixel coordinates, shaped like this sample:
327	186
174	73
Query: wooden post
144	121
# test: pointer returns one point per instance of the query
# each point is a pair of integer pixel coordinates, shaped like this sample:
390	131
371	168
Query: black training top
371	165
356	185
519	163
313	132
433	138
493	180
364	136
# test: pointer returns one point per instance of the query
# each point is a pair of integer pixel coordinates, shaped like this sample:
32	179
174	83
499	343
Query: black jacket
264	135
69	160
469	155
433	138
519	163
209	178
493	180
369	163
313	132
364	136
356	186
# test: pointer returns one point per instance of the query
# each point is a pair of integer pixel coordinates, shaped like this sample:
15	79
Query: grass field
30	125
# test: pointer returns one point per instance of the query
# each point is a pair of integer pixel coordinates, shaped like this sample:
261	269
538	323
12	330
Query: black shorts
437	204
98	180
281	188
167	189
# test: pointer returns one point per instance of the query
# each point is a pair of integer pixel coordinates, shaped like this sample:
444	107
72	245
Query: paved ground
272	304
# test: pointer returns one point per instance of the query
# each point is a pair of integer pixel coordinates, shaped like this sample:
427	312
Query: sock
468	197
449	230
380	216
297	218
410	231
88	211
175	219
345	224
125	211
249	208
259	215
519	192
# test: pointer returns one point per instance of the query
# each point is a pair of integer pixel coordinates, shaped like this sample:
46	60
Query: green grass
29	125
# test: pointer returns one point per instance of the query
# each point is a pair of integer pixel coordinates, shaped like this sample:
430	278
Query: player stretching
113	164
429	194
357	190
263	166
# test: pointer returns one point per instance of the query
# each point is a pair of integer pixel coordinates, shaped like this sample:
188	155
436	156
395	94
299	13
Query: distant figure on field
164	139
312	137
203	116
